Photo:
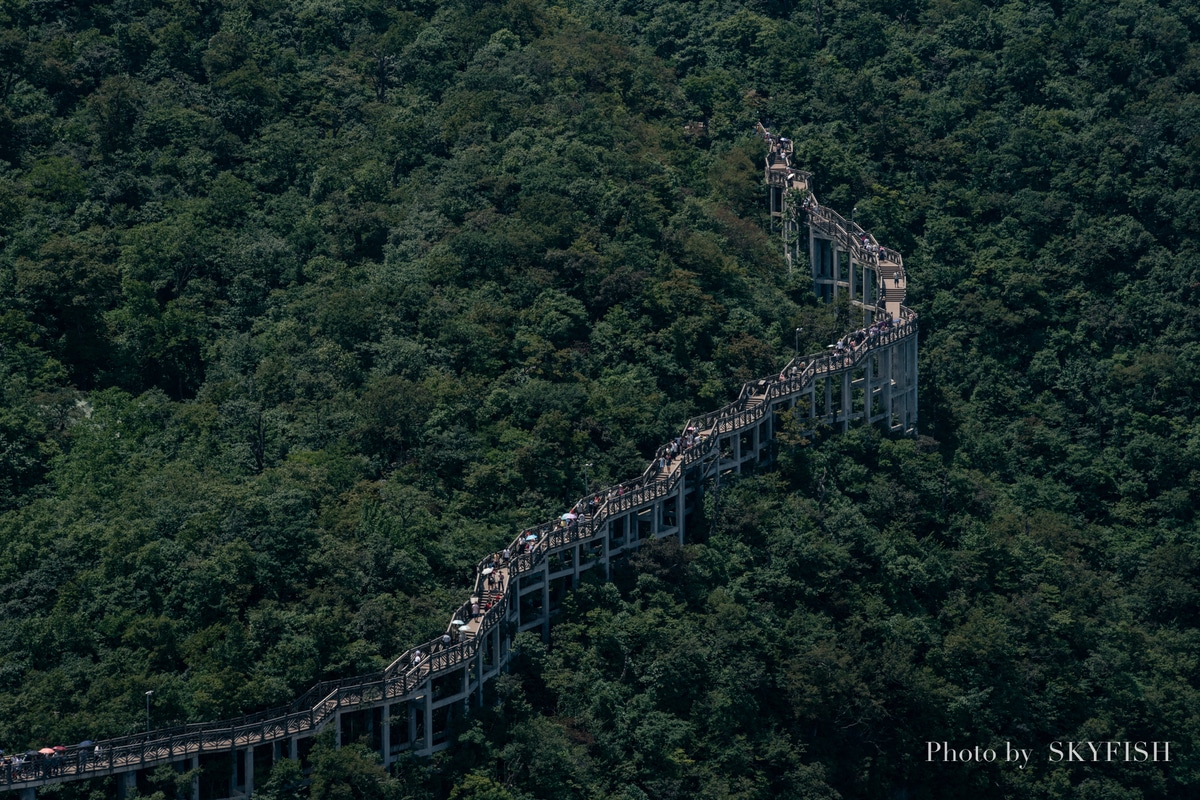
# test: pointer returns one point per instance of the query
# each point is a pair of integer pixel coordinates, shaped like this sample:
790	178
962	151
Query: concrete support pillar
429	720
812	255
412	725
791	238
546	600
680	513
912	344
836	267
868	388
890	387
881	377
479	674
604	537
193	765
385	735
248	760
126	784
899	385
847	400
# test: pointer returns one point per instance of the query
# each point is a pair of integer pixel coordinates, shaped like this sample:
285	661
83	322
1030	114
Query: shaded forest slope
305	305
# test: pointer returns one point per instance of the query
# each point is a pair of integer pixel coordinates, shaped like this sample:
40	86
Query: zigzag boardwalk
410	705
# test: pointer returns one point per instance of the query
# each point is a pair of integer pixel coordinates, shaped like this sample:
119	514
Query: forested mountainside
307	305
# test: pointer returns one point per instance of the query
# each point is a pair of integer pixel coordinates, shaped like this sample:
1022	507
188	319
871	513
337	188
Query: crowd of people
855	339
675	448
494	569
53	761
869	245
48	762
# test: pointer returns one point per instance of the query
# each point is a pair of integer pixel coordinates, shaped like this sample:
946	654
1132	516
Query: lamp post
798	330
149	694
587	487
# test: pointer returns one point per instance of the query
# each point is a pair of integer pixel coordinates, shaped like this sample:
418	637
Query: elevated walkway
411	706
844	258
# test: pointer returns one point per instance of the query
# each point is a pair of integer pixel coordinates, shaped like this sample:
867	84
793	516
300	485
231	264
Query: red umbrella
47	751
58	748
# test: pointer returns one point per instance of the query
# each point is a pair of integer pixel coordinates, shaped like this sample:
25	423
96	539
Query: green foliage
168	783
306	305
479	787
349	772
286	782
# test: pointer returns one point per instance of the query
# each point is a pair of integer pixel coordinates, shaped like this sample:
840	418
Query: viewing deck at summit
871	377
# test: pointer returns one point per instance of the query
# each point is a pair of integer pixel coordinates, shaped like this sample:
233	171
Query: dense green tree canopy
306	304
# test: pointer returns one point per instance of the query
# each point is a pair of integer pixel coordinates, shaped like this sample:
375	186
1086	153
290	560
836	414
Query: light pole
149	694
587	486
798	341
